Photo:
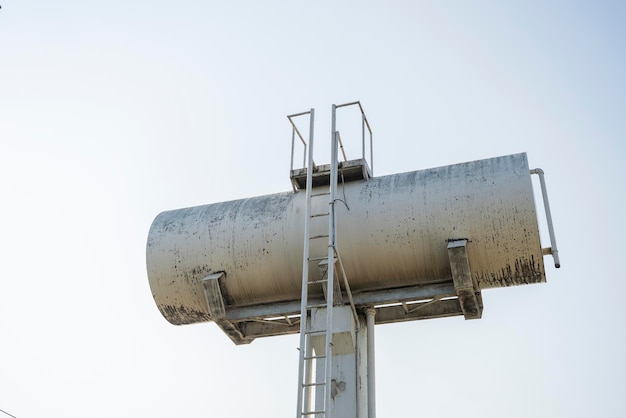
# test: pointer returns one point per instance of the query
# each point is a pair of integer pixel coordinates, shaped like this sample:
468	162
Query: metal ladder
308	382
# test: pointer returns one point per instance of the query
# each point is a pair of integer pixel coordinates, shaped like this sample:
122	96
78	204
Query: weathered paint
395	233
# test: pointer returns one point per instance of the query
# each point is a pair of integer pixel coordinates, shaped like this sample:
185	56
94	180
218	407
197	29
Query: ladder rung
318	281
320	194
314	412
314	357
319	236
317	258
319	331
317	215
314	384
319	305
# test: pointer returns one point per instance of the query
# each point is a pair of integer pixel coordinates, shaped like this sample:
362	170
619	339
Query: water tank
392	231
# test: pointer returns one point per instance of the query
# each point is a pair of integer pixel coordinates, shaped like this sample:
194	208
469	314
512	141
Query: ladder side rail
305	276
331	264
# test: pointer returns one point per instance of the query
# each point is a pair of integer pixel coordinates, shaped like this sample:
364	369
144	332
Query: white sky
113	111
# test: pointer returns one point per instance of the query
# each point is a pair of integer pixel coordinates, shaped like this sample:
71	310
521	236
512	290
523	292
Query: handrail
295	132
546	204
364	123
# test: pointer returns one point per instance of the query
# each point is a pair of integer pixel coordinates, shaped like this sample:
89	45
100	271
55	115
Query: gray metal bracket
213	295
217	308
466	290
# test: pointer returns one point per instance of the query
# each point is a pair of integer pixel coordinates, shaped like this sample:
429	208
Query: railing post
363	133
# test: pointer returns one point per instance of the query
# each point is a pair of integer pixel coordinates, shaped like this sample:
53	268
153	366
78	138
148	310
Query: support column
371	360
349	364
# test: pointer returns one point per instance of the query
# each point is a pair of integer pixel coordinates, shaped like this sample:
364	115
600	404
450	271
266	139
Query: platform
348	171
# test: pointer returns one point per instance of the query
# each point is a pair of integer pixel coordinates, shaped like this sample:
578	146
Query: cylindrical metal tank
392	231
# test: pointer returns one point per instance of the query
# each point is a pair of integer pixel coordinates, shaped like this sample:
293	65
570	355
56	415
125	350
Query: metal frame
364	123
409	303
294	132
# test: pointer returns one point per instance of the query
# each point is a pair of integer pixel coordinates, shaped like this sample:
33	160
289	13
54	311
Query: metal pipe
371	369
546	204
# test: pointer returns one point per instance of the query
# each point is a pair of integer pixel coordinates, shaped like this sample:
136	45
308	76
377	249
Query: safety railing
296	132
364	125
366	137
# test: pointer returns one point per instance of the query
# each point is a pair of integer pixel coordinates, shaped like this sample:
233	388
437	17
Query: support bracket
217	308
213	295
466	290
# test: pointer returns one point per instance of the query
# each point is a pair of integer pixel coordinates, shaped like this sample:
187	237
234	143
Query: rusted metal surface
394	234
